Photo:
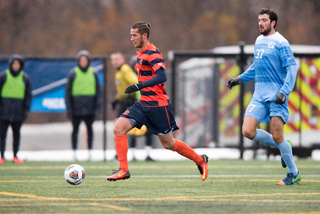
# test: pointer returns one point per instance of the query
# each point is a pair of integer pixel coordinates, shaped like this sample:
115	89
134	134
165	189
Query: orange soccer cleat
203	167
119	175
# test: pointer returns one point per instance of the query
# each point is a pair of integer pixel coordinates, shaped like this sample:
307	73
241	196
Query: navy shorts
158	120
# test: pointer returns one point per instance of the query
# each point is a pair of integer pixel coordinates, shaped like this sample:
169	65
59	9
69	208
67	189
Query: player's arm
290	79
288	84
159	67
159	78
247	76
290	65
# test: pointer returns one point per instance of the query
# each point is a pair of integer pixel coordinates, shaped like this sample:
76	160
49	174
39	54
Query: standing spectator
82	94
124	77
15	101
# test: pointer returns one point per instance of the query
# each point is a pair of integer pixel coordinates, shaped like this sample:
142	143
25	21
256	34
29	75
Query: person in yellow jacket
124	77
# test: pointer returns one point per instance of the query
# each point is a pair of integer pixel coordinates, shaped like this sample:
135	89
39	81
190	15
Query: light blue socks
286	154
284	147
264	137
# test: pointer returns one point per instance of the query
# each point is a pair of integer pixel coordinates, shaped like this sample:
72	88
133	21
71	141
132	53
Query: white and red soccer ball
74	174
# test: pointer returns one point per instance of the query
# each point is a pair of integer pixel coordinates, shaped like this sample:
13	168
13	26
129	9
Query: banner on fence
48	79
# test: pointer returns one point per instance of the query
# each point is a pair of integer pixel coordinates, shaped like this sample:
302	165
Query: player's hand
234	81
280	98
133	88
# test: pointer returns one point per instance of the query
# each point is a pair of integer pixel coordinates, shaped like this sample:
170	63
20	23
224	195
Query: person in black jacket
82	93
15	101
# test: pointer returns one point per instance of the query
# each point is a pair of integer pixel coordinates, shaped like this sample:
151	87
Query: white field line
212	166
210	175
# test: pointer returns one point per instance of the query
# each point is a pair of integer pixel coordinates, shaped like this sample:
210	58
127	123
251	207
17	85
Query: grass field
233	186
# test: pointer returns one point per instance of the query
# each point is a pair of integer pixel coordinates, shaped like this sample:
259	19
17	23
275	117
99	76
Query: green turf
233	186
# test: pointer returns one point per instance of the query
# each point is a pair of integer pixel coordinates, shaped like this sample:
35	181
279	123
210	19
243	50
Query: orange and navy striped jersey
149	61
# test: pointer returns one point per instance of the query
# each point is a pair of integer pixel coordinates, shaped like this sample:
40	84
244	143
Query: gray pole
241	63
104	94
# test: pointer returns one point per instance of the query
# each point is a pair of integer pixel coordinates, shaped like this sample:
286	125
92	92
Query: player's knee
248	133
277	139
118	131
167	145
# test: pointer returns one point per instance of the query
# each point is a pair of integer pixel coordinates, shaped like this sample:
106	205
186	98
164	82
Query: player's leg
250	131
120	130
133	117
168	142
122	126
3	135
257	113
276	125
16	125
279	115
249	127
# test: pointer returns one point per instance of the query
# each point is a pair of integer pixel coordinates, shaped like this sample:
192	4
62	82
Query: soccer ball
74	174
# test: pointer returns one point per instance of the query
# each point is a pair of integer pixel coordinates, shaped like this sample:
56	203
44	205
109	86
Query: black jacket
15	109
81	105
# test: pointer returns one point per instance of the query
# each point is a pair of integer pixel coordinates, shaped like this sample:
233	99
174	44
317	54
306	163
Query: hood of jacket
84	53
11	59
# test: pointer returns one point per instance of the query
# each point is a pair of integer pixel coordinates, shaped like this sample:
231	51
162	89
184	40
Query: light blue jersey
274	68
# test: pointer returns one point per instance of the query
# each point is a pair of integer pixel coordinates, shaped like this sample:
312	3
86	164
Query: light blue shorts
263	111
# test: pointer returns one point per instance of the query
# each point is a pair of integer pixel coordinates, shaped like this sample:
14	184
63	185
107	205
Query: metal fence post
215	104
241	62
172	57
104	94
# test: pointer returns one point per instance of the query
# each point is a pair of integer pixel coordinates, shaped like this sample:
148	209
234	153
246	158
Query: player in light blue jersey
274	71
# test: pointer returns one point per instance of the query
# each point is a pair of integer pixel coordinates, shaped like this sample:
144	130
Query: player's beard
266	31
140	45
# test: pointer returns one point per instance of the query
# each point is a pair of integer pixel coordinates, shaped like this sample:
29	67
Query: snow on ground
140	154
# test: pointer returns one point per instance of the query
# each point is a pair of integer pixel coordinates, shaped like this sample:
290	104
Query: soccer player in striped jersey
153	108
274	71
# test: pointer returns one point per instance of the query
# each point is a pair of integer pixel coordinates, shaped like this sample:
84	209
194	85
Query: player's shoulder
151	49
276	37
279	38
275	40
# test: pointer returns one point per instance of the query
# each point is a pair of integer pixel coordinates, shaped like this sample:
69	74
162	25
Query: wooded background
63	27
